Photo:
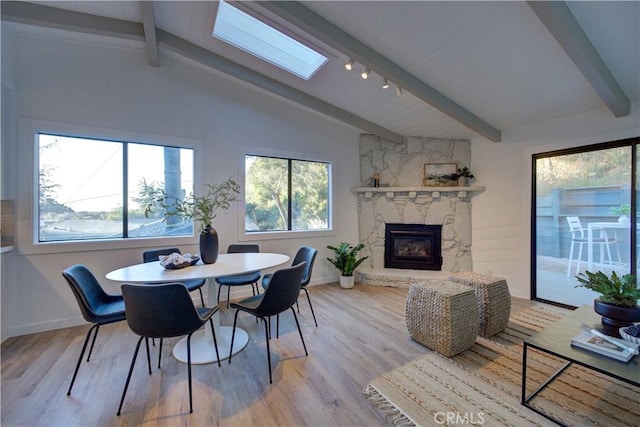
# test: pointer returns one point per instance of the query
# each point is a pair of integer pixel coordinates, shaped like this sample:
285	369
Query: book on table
588	341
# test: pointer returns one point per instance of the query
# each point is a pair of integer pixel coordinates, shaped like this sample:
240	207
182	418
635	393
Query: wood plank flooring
361	334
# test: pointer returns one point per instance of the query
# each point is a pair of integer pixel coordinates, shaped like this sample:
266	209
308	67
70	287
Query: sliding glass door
584	218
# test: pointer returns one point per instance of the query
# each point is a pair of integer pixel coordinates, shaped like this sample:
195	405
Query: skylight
245	32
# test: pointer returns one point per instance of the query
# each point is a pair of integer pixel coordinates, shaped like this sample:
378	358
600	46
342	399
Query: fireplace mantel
413	192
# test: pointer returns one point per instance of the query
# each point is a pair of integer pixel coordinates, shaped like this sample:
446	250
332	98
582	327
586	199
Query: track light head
385	84
399	91
349	65
365	73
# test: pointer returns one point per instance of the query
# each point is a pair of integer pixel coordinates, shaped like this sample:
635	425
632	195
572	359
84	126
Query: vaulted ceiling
466	69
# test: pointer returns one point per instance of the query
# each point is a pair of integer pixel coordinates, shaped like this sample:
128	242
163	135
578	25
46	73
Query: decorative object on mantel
618	304
345	258
203	209
376	180
440	175
466	176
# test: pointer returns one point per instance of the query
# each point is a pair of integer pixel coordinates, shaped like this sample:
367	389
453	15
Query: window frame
634	144
245	236
27	206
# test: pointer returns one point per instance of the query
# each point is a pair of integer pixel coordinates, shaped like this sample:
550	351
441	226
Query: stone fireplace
400	199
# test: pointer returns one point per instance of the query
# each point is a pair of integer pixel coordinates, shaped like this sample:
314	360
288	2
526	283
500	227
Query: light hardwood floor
361	335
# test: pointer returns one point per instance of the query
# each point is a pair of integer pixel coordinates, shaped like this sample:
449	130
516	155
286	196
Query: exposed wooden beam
51	17
220	63
44	16
317	26
561	23
149	25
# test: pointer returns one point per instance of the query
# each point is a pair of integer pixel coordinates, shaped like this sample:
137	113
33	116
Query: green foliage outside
267	194
594	168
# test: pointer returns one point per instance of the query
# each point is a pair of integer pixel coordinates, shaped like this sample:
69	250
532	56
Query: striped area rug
482	386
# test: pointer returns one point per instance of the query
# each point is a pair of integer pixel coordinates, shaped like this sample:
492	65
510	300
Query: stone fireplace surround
401	199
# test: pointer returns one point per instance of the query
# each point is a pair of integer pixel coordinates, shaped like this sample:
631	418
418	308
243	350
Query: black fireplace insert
413	246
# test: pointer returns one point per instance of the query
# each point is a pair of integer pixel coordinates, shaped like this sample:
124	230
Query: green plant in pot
622	211
465	174
202	209
618	303
346	259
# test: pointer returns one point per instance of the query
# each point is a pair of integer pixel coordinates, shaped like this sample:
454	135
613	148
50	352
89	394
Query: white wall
501	215
114	88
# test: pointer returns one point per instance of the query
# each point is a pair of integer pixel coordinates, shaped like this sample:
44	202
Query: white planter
346	282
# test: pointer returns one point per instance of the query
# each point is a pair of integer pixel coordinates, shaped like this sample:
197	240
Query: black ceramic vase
615	317
209	245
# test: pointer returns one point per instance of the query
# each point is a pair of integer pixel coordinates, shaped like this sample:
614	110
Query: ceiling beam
317	26
51	17
220	63
44	16
564	27
149	25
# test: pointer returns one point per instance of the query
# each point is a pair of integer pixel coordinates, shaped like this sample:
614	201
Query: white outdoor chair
579	236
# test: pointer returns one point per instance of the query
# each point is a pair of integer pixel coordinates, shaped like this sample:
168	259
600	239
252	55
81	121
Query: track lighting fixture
365	73
385	84
399	91
349	65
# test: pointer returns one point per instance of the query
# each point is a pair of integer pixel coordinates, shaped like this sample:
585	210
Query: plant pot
346	282
615	317
209	245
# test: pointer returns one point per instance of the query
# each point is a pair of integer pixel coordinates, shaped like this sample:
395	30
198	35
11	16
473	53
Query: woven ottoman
442	315
494	300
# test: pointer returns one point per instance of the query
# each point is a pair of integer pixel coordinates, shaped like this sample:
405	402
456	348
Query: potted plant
345	258
466	175
618	303
622	211
202	209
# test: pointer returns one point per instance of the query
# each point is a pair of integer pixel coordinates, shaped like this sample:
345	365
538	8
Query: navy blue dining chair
95	304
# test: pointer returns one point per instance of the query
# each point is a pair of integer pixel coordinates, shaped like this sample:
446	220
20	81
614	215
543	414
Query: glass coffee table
556	340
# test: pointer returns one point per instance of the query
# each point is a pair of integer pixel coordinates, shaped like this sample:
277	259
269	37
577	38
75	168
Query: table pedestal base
202	350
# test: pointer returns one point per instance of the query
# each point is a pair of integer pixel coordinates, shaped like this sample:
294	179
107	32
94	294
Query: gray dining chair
308	255
163	311
192	285
95	304
239	279
277	298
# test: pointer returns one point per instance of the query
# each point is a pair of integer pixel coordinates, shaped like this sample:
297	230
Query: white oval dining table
202	349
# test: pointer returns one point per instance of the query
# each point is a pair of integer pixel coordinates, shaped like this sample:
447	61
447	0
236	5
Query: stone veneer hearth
401	199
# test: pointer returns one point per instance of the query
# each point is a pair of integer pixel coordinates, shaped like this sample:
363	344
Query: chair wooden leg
228	295
84	348
126	384
300	331
233	334
310	306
